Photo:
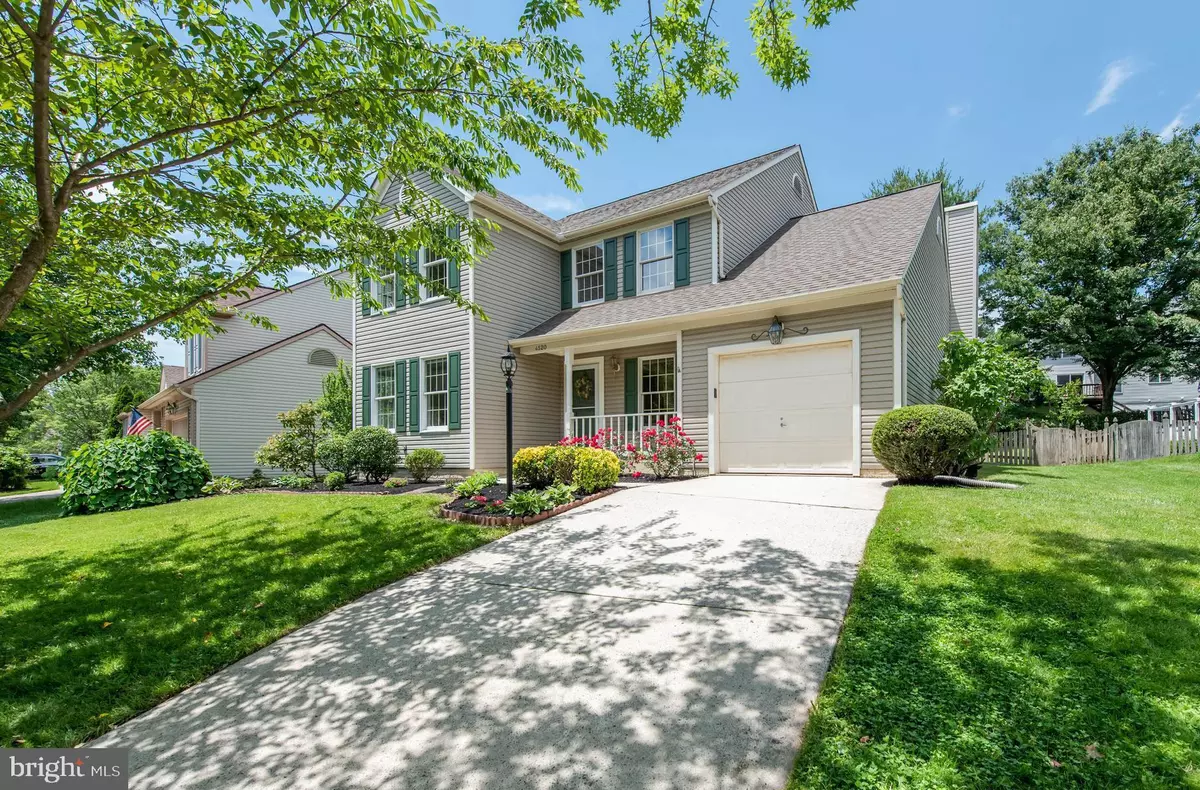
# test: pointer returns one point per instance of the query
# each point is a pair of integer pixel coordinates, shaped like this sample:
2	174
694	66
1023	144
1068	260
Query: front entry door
585	399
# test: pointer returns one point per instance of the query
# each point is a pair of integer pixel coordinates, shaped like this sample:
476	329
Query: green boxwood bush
423	462
373	452
333	454
916	443
15	468
130	472
595	469
335	481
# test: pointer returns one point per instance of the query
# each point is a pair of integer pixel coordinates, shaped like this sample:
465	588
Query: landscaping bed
476	509
356	488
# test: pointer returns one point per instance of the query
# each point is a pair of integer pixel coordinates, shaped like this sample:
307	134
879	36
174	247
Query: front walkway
663	637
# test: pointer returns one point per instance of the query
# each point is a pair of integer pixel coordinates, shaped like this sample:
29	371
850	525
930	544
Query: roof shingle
857	244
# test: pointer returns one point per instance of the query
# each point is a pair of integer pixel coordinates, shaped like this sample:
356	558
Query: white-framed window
383	412
589	275
1160	378
385	292
656	384
194	355
435	393
1067	378
437	271
656	258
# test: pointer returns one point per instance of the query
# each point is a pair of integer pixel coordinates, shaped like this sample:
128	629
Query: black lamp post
508	366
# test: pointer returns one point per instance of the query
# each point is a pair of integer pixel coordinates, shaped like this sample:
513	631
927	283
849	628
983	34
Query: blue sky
993	88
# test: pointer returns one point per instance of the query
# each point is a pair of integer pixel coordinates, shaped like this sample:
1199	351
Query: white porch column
568	364
678	374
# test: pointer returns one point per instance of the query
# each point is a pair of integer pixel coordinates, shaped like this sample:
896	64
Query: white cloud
958	110
552	204
1179	119
1115	75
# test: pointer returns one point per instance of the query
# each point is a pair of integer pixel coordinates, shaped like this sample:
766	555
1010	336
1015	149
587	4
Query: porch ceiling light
776	332
508	364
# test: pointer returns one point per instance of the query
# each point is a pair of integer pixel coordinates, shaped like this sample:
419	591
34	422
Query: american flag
138	423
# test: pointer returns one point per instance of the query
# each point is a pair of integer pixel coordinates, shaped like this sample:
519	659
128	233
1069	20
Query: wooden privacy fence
1128	441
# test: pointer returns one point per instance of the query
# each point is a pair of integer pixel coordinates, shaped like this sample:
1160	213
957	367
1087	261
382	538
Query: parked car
43	461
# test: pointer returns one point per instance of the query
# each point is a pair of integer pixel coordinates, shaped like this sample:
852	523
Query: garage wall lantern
777	331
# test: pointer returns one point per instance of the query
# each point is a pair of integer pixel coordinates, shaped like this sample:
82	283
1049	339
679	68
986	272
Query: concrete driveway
667	636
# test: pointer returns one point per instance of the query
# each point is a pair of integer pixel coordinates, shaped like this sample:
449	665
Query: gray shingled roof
865	242
642	201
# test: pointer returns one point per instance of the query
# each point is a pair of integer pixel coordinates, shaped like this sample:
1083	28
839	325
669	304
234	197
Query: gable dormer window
656	259
589	275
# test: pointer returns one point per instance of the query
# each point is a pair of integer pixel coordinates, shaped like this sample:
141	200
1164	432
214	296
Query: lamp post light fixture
508	366
776	332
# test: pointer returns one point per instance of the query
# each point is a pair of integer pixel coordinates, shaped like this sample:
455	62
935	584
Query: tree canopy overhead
954	190
1098	254
156	154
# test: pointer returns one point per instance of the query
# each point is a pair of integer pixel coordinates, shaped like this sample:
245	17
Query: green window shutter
455	366
565	273
630	269
366	395
401	369
631	386
365	285
414	396
683	267
610	269
397	282
452	274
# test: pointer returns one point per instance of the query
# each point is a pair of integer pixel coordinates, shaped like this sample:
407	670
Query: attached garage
790	408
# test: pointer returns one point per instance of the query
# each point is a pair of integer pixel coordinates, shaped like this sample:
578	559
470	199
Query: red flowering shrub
665	448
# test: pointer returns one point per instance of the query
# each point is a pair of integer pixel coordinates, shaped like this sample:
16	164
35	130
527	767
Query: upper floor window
1067	378
437	271
194	355
589	275
385	397
436	389
656	258
1160	378
385	292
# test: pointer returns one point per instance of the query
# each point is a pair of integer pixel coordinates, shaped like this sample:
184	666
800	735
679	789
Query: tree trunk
1108	388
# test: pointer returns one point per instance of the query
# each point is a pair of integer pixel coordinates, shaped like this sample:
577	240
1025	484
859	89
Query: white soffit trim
795	149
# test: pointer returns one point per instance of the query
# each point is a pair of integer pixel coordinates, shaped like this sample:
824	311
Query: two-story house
234	383
1156	394
777	331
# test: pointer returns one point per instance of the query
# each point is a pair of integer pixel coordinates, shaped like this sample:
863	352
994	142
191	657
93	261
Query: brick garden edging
521	521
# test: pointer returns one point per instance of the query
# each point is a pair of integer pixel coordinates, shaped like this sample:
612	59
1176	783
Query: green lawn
33	485
1048	636
103	616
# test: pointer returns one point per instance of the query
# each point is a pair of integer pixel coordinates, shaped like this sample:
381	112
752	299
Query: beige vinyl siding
753	210
517	286
962	244
449	197
699	246
237	408
291	313
926	294
420	331
874	322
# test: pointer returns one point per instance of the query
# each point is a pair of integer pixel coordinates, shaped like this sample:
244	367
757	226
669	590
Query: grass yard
103	616
32	486
1047	637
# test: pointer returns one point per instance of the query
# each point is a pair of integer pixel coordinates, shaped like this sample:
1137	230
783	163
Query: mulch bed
457	510
357	488
652	480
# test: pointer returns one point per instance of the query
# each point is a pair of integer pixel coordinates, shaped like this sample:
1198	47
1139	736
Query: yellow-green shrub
596	469
534	466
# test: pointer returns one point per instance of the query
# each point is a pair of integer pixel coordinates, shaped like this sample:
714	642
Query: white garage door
787	410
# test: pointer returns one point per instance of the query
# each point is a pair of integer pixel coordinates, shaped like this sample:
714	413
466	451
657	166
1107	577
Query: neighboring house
226	397
1154	394
658	305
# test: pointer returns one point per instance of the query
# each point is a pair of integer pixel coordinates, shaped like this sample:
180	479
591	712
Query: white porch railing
624	429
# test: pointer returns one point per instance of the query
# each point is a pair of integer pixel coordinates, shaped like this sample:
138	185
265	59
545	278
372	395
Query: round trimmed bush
335	481
373	451
133	471
333	454
15	468
534	466
916	443
423	462
595	468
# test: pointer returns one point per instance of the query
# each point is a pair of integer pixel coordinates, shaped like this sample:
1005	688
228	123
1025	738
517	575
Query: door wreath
584	388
